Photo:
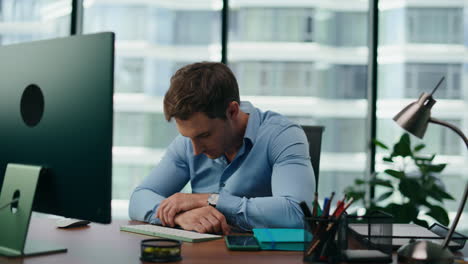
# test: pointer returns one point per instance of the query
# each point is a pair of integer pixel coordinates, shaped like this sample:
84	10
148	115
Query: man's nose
197	149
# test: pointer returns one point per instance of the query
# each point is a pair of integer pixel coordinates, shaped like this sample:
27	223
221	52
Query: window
435	25
22	21
341	28
420	44
152	41
292	60
423	78
272	24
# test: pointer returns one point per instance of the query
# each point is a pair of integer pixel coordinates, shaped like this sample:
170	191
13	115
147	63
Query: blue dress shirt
262	187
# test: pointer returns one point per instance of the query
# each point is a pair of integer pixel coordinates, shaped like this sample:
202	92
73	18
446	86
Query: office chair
314	137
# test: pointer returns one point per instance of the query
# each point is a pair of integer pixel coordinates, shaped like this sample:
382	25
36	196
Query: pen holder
321	242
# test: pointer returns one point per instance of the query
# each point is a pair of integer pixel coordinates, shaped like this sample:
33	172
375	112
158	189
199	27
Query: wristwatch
213	199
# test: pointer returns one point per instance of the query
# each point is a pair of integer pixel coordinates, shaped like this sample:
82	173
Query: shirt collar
253	124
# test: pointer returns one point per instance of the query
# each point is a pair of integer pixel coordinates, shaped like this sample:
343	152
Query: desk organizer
321	242
327	239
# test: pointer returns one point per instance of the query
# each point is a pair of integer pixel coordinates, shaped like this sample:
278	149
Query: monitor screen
56	111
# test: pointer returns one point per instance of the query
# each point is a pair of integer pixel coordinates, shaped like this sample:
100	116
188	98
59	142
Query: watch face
213	199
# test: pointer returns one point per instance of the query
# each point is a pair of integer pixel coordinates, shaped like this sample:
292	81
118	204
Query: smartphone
246	243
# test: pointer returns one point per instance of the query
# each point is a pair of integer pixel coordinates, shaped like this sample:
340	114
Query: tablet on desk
402	234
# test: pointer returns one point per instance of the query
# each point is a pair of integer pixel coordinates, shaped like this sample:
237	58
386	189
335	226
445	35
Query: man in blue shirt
247	168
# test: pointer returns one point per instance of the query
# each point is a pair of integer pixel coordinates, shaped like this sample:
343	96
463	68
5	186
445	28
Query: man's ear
232	110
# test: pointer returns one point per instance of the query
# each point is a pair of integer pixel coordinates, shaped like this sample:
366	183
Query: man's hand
179	202
203	220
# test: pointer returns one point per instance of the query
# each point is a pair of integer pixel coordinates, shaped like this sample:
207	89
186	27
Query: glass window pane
419	44
291	59
28	20
153	40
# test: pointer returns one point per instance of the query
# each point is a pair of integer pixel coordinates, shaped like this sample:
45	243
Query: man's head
204	100
205	87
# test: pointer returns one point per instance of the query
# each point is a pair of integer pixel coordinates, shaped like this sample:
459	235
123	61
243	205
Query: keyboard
167	232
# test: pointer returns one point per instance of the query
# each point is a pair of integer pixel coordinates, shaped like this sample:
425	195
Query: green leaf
424	158
384	196
359	181
436	168
380	144
380	182
421	223
356	195
437	193
395	173
419	147
435	196
412	189
439	214
387	159
403	213
403	147
372	208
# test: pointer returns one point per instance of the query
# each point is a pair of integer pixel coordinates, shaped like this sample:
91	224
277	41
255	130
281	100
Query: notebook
280	238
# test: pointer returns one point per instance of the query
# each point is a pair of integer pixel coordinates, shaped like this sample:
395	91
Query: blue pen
326	207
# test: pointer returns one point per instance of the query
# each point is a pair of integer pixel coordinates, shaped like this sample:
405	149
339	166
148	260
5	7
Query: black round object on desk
160	250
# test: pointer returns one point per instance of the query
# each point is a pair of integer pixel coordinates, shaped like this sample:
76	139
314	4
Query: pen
331	197
339	208
323	230
326	208
346	206
326	203
338	214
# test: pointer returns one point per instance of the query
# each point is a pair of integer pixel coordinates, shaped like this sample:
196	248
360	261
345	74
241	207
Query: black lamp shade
415	117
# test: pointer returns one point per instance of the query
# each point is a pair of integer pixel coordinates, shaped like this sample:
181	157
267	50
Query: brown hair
206	87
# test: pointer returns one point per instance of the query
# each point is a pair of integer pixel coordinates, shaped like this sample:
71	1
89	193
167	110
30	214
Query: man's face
209	136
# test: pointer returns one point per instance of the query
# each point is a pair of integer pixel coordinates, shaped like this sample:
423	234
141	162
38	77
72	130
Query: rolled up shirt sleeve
292	181
168	177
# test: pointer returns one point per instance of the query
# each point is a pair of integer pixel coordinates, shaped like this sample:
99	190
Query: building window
423	78
435	25
273	24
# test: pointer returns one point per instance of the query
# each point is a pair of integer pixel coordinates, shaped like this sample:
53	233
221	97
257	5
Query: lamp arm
454	128
457	217
463	201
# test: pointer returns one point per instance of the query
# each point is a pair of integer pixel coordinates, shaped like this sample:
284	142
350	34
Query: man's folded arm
292	181
167	178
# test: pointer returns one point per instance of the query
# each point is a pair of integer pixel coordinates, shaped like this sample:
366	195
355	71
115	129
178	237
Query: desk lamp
414	118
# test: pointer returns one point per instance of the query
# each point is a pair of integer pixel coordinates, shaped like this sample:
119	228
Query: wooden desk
104	244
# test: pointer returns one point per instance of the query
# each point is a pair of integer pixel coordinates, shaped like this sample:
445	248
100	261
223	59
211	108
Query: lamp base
424	252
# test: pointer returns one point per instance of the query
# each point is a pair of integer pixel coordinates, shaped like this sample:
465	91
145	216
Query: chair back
314	137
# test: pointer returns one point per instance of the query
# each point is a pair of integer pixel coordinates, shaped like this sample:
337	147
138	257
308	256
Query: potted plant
407	192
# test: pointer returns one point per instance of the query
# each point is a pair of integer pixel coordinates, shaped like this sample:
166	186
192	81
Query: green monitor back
69	131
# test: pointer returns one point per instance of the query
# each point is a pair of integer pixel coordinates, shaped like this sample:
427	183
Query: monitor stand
20	183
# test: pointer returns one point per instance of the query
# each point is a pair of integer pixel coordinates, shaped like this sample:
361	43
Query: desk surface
104	244
107	244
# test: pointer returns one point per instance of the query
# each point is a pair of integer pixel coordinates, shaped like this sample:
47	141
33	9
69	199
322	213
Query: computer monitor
56	116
